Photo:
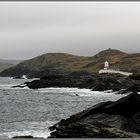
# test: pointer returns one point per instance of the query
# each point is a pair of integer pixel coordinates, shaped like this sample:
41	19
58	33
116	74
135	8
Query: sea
25	111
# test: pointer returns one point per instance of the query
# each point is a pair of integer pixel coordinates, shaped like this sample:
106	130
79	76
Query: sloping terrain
4	66
51	63
5	63
62	63
119	119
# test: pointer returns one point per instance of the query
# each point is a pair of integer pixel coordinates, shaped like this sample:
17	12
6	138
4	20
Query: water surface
26	111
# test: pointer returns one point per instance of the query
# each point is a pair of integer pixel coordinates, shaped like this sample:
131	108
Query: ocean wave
79	92
65	89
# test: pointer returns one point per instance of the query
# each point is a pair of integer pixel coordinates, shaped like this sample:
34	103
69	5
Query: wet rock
96	82
126	106
119	119
93	130
135	76
23	136
19	86
17	77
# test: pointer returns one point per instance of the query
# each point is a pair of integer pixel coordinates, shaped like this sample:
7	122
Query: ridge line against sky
29	29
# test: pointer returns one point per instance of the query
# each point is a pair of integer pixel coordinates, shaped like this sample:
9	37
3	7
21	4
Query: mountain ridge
63	63
6	63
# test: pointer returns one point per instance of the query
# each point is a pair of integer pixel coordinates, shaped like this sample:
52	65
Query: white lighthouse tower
106	65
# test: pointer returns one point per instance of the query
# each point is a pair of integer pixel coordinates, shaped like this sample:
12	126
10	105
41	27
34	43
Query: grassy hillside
54	60
51	63
55	63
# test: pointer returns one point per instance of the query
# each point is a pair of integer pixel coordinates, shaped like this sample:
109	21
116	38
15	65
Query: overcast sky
28	29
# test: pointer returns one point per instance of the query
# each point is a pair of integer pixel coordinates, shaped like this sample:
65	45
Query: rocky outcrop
22	137
96	82
118	119
27	137
87	130
135	76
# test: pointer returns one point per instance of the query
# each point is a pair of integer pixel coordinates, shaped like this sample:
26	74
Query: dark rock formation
20	86
135	76
17	77
96	82
118	119
23	137
27	137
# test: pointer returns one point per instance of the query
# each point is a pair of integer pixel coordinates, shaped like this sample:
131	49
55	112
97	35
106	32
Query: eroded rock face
120	119
87	130
135	76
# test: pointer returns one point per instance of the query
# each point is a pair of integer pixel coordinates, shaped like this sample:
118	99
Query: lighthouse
106	65
108	70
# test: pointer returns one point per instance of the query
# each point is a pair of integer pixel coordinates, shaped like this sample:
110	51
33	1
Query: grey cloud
28	29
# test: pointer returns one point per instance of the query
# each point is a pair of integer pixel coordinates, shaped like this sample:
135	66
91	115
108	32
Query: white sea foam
39	134
52	89
83	92
6	86
35	129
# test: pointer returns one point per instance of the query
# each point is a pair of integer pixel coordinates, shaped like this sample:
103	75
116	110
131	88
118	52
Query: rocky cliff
118	119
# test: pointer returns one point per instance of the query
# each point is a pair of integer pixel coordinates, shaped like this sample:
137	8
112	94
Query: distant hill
5	64
6	61
62	63
50	63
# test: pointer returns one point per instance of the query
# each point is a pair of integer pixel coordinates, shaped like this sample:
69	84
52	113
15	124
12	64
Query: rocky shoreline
111	119
96	82
118	119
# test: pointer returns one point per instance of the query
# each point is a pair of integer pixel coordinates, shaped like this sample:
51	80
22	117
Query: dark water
25	111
